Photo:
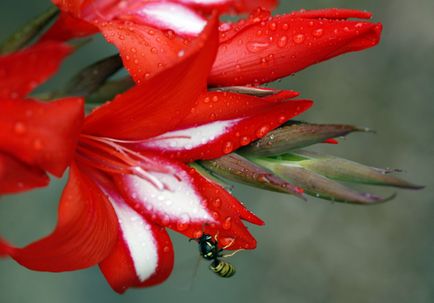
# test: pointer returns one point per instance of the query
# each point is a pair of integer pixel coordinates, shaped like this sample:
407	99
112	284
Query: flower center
113	157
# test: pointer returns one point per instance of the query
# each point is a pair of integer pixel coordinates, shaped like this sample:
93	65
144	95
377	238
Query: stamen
106	154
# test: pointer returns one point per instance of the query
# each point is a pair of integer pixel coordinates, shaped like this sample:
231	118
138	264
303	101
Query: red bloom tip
262	49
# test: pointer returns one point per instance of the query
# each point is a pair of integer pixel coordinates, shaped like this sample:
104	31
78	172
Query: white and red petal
168	15
220	124
186	202
84	236
16	176
143	255
41	134
22	71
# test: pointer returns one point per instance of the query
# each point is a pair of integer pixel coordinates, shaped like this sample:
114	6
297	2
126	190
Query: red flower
151	35
35	137
128	179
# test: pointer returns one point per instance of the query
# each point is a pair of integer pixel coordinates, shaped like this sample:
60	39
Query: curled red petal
220	124
41	134
143	255
159	103
23	71
181	199
16	176
267	49
85	233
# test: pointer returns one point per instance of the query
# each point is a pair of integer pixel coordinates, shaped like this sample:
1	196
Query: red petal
264	49
41	134
161	102
220	124
184	201
249	5
16	176
145	50
68	27
143	255
85	233
22	71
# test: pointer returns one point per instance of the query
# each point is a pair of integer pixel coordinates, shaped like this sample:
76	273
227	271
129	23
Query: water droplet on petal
318	32
37	144
262	131
283	41
228	147
256	46
227	223
217	202
183	222
244	141
20	128
166	249
298	39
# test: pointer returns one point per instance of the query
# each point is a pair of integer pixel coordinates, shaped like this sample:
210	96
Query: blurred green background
308	252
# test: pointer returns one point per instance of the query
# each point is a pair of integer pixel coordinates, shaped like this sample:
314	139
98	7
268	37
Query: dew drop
197	234
183	223
298	39
262	131
20	128
283	41
217	202
256	46
181	53
165	220
37	144
166	249
244	140
318	32
227	223
228	147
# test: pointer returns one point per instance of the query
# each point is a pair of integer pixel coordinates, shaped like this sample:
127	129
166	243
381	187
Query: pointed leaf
346	170
296	135
239	169
29	31
317	185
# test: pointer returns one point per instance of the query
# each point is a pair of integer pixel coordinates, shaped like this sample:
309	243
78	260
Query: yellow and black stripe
222	269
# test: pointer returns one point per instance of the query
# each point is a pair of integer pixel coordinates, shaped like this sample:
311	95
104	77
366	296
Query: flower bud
239	169
317	185
296	135
349	171
91	78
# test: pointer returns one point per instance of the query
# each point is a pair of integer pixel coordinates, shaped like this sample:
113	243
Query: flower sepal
295	135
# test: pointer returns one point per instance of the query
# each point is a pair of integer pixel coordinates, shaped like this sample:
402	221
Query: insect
209	250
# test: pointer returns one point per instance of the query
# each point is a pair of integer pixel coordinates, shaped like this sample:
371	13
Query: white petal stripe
190	138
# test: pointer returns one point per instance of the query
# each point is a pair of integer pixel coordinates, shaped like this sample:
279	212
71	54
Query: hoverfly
209	250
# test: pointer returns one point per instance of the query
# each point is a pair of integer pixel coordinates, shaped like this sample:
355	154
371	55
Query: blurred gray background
308	252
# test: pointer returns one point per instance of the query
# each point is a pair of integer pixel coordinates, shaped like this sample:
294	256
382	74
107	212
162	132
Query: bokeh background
308	252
